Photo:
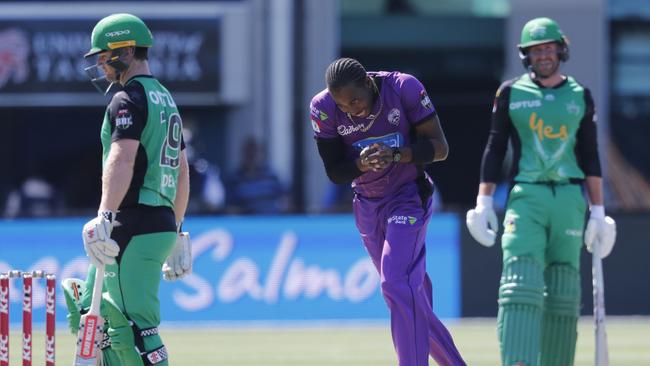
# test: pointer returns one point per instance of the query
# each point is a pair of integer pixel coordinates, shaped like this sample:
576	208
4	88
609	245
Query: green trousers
132	285
539	294
545	223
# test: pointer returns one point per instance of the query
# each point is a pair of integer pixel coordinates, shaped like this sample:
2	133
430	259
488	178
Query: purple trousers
393	230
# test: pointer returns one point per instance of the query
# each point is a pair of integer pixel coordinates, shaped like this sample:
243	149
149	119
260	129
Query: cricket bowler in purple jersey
377	130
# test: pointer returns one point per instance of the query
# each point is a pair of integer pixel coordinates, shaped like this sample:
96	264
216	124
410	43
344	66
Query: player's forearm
430	145
339	168
441	148
486	189
183	190
594	187
438	151
116	180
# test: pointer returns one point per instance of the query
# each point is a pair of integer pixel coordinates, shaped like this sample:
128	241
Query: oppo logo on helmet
118	33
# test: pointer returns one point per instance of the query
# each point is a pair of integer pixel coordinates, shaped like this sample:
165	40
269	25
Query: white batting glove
600	234
179	262
482	221
96	234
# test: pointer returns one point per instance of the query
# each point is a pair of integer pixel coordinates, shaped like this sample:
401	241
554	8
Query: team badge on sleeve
316	118
425	101
315	125
323	116
123	119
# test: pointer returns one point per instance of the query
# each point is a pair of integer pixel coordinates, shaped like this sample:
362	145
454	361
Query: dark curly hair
344	71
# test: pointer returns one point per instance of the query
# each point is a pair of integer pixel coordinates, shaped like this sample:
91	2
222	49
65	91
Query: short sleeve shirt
403	103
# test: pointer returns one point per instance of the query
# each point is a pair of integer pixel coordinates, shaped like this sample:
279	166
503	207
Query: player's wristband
484	200
107	214
597	211
179	227
423	151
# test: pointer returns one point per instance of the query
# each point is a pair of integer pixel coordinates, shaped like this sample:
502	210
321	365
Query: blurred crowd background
243	72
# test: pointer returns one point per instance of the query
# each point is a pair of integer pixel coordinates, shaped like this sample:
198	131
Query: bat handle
97	290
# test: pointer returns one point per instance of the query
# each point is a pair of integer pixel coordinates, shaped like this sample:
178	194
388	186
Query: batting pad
521	298
121	334
73	292
561	311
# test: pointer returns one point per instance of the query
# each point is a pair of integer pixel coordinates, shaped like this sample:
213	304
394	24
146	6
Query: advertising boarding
281	268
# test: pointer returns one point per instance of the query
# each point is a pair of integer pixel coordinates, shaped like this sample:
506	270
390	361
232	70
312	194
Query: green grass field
629	342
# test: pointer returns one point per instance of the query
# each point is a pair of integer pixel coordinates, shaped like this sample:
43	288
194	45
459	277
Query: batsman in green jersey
549	118
145	188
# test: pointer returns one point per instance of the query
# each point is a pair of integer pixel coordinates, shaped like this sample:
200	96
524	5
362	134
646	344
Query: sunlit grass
347	345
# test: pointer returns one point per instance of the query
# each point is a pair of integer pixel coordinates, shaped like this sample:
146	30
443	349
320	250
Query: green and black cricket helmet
539	31
113	33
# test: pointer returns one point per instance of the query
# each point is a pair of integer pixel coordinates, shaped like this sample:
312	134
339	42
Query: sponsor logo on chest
345	130
535	103
545	131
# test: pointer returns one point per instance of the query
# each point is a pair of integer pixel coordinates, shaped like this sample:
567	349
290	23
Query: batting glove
96	234
482	221
600	234
179	262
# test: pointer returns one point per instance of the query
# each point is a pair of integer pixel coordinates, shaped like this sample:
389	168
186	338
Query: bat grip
97	290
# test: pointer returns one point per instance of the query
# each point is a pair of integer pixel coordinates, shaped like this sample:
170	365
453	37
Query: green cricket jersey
145	111
552	130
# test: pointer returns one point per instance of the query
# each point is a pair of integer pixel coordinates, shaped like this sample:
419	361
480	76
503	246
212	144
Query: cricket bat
602	353
90	326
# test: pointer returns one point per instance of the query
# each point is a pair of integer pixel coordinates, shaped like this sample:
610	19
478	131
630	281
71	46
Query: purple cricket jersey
390	215
402	103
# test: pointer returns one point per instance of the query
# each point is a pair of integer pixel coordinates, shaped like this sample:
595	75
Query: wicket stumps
50	306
